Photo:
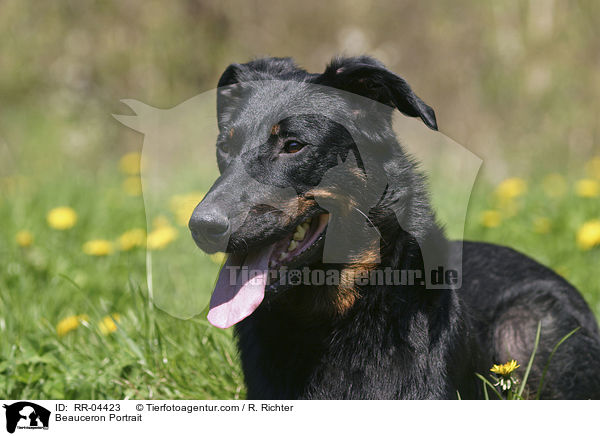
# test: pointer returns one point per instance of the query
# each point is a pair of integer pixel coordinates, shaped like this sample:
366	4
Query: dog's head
291	153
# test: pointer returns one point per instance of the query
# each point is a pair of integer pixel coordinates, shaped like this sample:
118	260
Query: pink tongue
232	300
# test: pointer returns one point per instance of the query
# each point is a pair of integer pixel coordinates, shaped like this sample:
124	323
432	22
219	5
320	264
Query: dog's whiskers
373	224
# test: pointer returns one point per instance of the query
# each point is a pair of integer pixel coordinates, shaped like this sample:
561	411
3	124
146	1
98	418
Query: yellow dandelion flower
98	247
491	218
554	185
587	188
218	258
161	237
24	238
182	206
108	325
505	369
160	221
62	218
70	323
508	207
588	235
132	238
593	168
132	186
511	188
130	163
542	225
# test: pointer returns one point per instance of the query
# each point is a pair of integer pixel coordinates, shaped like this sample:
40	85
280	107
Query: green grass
152	354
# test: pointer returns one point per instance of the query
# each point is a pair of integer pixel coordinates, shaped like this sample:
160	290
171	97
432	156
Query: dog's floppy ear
367	77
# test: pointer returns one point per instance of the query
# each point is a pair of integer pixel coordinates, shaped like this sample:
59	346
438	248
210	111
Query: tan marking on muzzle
295	207
346	202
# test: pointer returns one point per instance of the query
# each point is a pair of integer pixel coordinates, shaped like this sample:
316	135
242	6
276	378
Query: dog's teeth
299	234
305	225
292	246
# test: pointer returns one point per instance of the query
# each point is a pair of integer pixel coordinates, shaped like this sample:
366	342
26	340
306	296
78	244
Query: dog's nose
209	229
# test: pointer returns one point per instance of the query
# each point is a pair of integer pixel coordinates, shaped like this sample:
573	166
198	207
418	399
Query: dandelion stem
530	364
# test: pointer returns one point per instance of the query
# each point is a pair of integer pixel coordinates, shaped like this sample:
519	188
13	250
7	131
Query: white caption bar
293	417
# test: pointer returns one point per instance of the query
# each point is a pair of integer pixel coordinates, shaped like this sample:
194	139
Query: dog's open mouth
297	247
243	279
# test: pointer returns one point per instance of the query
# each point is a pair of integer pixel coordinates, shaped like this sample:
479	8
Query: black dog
373	340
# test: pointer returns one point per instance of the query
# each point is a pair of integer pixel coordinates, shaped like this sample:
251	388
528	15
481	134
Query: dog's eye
292	146
224	147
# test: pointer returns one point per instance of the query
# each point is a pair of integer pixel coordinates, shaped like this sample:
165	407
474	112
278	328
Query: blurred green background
517	83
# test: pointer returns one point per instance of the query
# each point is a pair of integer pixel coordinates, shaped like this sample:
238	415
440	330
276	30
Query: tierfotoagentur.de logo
25	415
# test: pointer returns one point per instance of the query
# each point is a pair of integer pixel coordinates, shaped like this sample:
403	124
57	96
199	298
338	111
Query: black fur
388	342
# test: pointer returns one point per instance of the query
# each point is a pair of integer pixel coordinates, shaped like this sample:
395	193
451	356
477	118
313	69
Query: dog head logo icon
26	415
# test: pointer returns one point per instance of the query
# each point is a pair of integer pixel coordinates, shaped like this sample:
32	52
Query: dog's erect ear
367	77
227	92
231	81
230	75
